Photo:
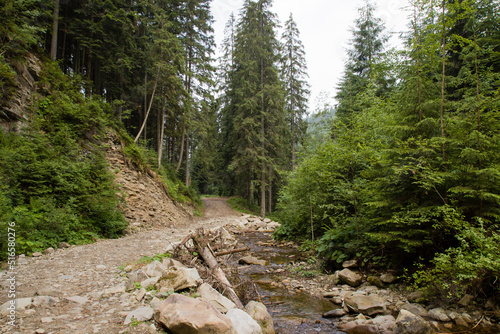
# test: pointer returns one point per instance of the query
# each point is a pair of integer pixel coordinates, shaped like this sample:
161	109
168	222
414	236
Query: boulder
77	299
388	278
416	309
409	323
185	315
350	277
63	245
220	302
439	314
169	263
154	269
135	277
48	292
44	301
36	254
252	260
337	313
368	305
243	323
350	264
139	314
466	300
175	279
259	313
149	282
49	251
358	329
385	322
376	281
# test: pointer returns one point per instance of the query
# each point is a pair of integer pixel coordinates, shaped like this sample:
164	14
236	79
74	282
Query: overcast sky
324	30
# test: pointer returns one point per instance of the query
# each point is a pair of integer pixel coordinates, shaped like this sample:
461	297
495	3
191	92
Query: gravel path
92	272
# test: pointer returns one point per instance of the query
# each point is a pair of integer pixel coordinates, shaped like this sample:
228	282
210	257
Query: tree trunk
187	159
262	134
443	80
181	153
162	131
55	28
149	108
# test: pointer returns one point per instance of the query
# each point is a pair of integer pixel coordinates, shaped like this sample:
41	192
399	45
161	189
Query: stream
293	312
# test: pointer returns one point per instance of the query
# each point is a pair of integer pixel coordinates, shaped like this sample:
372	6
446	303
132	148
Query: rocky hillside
148	203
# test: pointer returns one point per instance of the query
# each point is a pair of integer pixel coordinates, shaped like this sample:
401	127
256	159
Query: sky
324	30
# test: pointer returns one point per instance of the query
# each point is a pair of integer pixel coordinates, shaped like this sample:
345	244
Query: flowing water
293	313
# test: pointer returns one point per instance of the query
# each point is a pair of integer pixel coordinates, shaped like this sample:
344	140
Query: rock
169	263
385	322
100	267
409	323
243	323
416	309
63	245
139	314
252	260
36	254
337	313
14	305
46	320
114	290
376	281
359	329
388	278
149	282
330	294
140	294
439	314
154	269
135	277
220	302
259	313
48	251
45	301
39	331
350	277
467	318
466	300
417	296
350	264
48	292
185	315
77	299
175	279
369	305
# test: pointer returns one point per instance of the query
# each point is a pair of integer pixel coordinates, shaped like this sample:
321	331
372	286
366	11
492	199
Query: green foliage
240	204
56	185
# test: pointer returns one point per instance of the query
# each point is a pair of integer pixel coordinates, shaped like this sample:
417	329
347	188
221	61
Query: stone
135	277
175	279
409	323
220	302
15	305
243	323
259	313
385	322
169	263
114	290
77	299
376	281
368	305
45	301
337	313
100	267
48	292
48	251
417	296
439	314
466	300
350	277
46	320
63	245
388	278
416	309
39	331
150	282
350	264
330	294
252	260
139	314
36	254
154	269
185	315
140	295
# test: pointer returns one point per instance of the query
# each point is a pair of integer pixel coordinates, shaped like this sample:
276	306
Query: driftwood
238	250
205	252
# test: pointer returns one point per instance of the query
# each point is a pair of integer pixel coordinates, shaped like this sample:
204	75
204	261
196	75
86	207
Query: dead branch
232	251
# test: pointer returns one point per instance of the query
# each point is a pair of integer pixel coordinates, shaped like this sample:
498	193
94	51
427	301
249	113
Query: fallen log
238	250
202	246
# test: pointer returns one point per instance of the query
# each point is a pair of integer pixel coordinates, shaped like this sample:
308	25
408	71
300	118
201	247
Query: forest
402	171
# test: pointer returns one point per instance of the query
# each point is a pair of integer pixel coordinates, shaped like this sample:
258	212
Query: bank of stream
294	312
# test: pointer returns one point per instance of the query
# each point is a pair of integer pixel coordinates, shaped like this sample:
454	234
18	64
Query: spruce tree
294	76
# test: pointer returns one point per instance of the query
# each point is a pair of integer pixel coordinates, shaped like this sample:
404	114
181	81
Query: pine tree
366	46
294	76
